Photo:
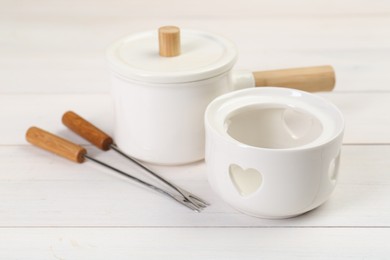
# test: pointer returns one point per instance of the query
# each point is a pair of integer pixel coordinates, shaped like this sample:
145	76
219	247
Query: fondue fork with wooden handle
103	141
78	154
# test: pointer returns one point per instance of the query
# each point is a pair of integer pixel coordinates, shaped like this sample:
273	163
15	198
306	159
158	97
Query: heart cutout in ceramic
297	124
246	181
333	168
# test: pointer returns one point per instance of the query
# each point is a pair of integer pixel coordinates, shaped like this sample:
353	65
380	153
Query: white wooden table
52	60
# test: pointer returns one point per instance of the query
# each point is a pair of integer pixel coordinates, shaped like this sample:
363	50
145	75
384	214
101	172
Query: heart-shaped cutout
297	124
246	181
333	168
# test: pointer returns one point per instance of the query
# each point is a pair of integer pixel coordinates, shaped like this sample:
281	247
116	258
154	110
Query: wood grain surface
55	144
311	79
88	131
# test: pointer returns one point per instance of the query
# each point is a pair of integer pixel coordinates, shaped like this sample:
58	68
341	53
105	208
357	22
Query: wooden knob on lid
169	41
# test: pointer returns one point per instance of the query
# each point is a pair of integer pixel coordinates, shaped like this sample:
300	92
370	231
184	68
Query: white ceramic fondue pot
163	80
273	152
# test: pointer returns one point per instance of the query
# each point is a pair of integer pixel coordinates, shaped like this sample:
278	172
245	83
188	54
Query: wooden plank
367	120
45	111
39	189
54	54
201	9
193	243
88	73
61	35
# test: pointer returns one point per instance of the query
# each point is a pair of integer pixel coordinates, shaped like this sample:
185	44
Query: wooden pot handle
311	79
55	144
87	130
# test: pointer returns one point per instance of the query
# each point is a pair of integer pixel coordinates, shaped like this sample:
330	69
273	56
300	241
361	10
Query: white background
52	60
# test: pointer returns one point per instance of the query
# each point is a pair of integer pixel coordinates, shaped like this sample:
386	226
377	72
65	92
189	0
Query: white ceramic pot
273	152
160	101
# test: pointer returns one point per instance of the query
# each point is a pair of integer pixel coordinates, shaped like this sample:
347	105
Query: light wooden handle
169	41
55	144
312	79
87	130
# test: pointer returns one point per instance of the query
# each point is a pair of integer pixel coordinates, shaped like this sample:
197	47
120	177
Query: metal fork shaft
146	184
173	186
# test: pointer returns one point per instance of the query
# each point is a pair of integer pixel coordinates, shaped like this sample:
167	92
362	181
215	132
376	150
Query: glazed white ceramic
160	101
273	152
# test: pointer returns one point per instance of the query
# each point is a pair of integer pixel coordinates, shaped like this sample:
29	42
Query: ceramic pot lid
203	55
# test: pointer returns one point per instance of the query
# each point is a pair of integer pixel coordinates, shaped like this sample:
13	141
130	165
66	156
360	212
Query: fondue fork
103	141
78	154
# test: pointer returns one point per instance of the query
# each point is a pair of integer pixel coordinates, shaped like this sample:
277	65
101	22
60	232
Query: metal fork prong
197	203
193	207
187	204
197	200
192	198
205	203
188	196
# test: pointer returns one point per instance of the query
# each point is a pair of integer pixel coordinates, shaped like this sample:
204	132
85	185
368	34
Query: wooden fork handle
55	144
87	130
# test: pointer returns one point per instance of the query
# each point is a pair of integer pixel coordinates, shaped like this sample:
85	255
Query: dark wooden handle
87	130
311	79
55	144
